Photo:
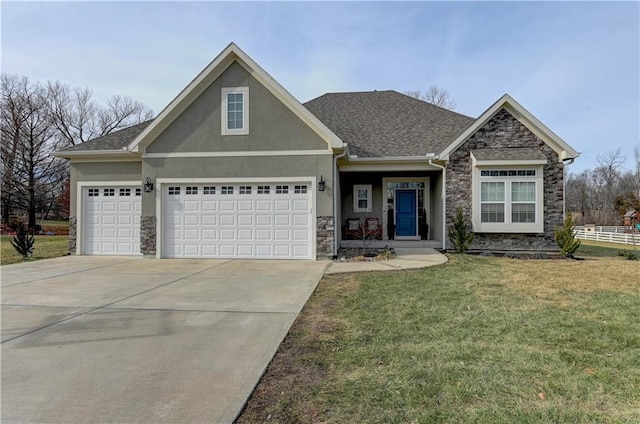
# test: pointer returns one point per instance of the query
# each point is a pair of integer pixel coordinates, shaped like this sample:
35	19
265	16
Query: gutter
335	197
444	203
86	153
564	186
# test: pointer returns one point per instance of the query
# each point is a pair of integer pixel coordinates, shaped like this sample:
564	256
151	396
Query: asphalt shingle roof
114	141
513	153
387	123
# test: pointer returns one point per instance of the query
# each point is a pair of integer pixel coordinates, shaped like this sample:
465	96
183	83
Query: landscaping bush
23	241
460	234
565	237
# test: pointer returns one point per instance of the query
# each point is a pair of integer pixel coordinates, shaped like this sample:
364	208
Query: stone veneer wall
505	131
73	234
148	235
325	237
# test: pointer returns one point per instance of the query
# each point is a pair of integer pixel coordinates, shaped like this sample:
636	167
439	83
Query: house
631	218
235	166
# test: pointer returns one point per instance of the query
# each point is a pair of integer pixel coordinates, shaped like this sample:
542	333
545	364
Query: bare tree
79	118
28	169
38	119
434	95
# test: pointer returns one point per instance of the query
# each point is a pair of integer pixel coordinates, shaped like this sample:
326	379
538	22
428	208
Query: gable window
508	200
362	198
235	111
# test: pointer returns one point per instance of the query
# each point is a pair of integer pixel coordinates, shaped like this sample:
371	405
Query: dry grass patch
548	278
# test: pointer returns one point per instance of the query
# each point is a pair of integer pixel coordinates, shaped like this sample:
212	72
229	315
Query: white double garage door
265	221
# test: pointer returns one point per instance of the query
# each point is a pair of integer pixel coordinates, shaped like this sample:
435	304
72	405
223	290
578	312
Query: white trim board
237	154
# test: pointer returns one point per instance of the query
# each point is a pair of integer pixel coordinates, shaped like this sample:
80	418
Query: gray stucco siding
272	125
258	168
101	171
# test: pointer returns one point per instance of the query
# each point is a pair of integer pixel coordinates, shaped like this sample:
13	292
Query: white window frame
368	188
245	110
507	226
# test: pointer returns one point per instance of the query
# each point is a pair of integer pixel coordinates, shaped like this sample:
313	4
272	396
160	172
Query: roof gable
229	55
525	118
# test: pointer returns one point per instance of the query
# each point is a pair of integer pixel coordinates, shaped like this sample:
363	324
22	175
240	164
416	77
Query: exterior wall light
321	184
148	186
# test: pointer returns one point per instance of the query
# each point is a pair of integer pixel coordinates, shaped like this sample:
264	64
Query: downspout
564	186
336	193
444	203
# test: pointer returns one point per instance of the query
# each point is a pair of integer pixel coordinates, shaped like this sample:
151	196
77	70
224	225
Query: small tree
566	239
460	234
23	242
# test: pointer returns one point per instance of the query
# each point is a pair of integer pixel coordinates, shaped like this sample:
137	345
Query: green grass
55	222
597	248
483	340
44	247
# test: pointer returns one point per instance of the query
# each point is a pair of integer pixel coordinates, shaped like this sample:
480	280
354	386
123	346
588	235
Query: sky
574	65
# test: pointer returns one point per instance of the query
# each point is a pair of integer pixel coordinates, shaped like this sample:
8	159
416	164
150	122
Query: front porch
380	244
390	208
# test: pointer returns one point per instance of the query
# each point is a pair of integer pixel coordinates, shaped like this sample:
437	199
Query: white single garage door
266	221
111	221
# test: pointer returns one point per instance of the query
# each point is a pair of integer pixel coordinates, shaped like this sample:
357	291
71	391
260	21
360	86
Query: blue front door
406	213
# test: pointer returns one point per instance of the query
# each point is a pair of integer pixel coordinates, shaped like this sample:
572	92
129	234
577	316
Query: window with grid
109	192
125	192
264	189
138	192
300	189
209	190
235	111
226	190
191	190
174	190
492	201
282	189
362	198
523	202
245	189
93	192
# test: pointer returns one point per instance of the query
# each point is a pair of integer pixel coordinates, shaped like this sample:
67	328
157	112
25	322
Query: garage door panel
227	219
282	219
228	205
237	220
111	221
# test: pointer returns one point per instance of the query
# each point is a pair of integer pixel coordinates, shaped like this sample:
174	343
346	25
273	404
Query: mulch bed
358	254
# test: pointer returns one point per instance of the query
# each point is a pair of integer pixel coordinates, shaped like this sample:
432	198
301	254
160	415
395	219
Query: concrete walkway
407	258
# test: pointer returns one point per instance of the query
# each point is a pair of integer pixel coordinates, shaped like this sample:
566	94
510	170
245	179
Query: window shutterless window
264	189
508	200
191	190
174	190
235	110
226	190
362	198
209	190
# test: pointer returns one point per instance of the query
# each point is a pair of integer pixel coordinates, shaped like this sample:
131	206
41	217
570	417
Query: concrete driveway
113	339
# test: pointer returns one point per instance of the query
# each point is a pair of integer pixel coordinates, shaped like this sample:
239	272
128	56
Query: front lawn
485	340
44	247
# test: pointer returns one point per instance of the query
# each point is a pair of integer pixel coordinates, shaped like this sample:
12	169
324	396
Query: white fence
624	238
606	228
